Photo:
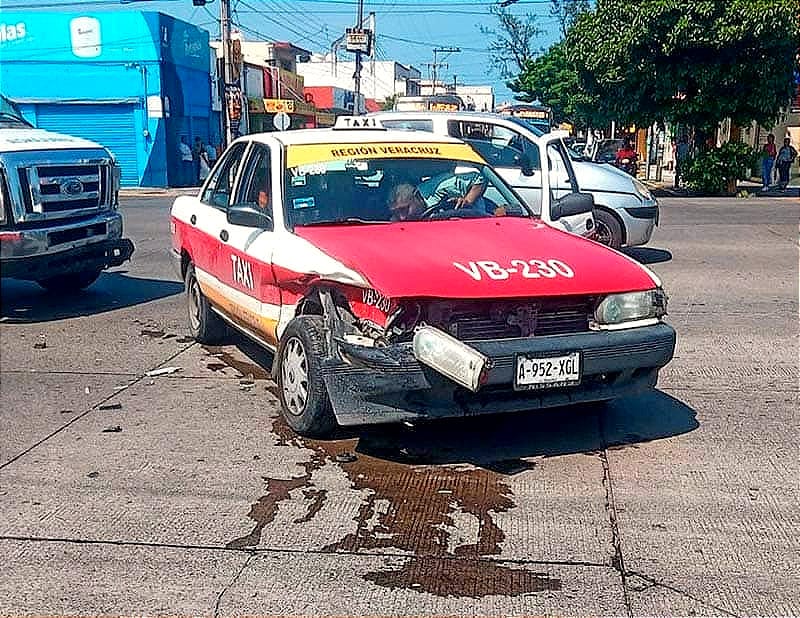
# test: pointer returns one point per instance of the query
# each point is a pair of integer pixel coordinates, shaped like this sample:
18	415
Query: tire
205	326
304	398
70	282
609	231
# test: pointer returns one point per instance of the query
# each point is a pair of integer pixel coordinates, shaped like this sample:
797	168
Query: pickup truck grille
64	190
497	319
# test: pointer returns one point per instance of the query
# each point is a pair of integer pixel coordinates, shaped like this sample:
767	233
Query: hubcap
294	376
603	233
194	305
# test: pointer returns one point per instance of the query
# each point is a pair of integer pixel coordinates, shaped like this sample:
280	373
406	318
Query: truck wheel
304	399
609	231
204	325
70	282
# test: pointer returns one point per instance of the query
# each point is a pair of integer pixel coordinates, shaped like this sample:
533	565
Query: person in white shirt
186	169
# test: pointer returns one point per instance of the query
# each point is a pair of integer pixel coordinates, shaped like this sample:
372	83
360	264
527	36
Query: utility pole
436	64
227	67
357	75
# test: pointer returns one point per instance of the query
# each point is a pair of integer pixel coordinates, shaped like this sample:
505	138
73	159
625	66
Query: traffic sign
282	121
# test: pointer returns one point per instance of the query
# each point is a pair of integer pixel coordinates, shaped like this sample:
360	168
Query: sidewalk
157	191
745	188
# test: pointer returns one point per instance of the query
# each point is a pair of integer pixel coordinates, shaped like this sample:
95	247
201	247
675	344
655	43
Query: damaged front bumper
370	385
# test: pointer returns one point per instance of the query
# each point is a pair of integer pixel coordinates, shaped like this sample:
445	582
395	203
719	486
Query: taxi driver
448	190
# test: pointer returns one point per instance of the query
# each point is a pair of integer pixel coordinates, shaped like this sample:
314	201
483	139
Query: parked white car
625	212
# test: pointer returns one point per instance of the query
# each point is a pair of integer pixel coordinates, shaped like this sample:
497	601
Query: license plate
547	372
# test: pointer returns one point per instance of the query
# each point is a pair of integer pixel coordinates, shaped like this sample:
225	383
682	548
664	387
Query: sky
407	30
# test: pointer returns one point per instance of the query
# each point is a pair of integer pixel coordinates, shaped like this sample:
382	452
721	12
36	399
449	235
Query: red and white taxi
396	277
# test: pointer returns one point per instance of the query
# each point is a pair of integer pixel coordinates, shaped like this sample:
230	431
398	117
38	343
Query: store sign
358	40
13	32
255	106
85	37
273	106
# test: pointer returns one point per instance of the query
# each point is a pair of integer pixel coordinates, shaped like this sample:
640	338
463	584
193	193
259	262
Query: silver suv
625	211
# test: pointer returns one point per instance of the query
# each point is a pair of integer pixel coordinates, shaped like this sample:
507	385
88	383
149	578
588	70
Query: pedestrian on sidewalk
768	154
205	164
681	159
786	155
197	148
185	154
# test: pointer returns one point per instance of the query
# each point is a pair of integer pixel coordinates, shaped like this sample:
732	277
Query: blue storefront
135	82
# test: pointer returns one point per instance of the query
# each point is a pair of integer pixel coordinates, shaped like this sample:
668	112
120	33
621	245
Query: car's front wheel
607	228
205	326
304	398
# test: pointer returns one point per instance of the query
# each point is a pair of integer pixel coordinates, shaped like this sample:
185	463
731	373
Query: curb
157	191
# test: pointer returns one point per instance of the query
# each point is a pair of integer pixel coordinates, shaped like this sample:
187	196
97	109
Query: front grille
62	190
498	319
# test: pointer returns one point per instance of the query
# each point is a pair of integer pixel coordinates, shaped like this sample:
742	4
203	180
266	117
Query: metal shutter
112	125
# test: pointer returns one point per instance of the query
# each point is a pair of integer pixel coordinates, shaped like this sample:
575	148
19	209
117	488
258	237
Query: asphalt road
185	494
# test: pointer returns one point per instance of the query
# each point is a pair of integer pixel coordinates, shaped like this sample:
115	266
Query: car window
562	180
382	190
255	188
220	186
500	146
409	125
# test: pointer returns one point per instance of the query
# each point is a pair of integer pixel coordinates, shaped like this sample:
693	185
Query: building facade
134	82
380	79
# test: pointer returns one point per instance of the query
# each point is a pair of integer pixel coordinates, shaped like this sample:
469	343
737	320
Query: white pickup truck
59	223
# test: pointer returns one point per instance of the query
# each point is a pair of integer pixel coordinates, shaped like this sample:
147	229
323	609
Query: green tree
511	44
551	79
687	61
566	12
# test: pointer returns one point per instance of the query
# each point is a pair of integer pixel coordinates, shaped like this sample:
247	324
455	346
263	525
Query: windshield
10	116
386	190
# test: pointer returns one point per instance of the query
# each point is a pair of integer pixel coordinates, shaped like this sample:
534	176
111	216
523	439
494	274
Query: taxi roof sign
358	122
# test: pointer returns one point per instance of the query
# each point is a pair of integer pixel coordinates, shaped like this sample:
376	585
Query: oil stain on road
440	517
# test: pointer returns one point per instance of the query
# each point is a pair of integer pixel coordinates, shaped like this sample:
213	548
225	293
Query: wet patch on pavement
439	516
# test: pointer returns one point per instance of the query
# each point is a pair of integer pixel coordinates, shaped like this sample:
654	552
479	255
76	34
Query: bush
716	170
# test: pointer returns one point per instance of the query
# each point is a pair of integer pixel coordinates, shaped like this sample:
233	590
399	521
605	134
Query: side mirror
572	204
249	216
526	164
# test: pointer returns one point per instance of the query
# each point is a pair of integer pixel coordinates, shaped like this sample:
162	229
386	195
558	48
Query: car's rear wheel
607	229
204	325
304	399
70	282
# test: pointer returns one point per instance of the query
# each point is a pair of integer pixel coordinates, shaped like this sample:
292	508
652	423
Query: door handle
193	219
223	235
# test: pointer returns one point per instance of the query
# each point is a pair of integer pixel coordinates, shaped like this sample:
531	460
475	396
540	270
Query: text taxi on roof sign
396	277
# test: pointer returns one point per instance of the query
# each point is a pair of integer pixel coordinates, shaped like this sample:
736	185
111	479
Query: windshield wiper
347	221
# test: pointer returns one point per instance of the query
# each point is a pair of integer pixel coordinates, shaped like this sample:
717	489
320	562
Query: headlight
449	356
619	310
641	189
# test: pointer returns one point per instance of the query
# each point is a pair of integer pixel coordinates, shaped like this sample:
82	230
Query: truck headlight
621	310
450	357
116	178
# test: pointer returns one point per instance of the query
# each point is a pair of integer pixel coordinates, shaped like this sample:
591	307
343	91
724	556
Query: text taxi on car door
396	276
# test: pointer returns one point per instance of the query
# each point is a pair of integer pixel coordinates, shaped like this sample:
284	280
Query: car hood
18	140
596	176
478	258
